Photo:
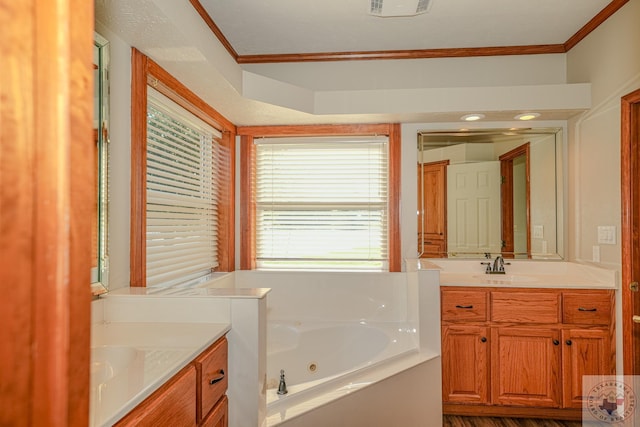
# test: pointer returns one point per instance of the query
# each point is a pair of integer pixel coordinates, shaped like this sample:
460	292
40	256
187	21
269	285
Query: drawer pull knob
587	309
464	306
483	339
569	342
219	377
556	342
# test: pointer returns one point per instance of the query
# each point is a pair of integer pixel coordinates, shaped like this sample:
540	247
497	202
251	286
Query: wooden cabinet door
173	404
432	197
584	352
525	366
465	364
219	415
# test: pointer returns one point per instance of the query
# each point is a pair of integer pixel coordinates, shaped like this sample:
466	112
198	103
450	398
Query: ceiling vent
388	8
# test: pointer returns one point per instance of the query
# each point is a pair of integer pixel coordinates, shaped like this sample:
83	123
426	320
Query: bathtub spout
282	387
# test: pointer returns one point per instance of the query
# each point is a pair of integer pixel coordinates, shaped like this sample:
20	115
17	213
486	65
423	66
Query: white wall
610	60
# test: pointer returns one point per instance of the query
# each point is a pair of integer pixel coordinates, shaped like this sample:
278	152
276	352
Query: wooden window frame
145	72
247	174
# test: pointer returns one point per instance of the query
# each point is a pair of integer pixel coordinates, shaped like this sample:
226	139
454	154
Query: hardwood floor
460	421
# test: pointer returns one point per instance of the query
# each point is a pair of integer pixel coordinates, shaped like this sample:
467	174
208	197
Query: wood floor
459	421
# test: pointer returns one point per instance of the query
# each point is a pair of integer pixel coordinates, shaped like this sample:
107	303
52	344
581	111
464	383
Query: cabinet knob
556	342
568	342
483	339
217	378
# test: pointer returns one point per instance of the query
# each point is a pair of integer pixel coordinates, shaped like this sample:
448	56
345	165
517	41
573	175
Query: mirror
490	191
99	229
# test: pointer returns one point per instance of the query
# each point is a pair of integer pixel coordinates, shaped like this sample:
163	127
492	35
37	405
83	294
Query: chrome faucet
282	387
495	267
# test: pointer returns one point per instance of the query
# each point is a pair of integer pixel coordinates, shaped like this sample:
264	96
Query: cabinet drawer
219	416
591	308
464	305
525	307
212	370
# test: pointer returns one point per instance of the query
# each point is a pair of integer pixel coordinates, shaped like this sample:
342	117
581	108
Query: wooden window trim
247	169
145	72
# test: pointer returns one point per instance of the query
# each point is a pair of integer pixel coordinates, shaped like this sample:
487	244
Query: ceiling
186	37
275	27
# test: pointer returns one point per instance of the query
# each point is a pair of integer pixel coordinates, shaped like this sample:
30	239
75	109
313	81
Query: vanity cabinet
195	396
517	351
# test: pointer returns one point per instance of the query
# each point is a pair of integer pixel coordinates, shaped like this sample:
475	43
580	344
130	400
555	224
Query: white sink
110	361
506	278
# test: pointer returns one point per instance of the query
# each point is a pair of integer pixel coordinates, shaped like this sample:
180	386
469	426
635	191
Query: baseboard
570	414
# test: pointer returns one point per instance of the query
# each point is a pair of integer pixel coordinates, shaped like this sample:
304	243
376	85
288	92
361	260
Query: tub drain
312	367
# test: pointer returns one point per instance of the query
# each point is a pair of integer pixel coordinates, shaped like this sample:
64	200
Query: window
320	202
183	154
182	169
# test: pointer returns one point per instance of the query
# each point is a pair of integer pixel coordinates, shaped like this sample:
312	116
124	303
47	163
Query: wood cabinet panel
584	352
432	217
465	364
525	366
464	305
212	372
173	404
525	307
219	416
587	308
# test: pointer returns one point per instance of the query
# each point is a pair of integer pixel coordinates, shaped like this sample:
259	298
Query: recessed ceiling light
527	116
472	117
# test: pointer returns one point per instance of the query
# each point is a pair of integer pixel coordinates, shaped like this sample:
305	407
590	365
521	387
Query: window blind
321	203
182	193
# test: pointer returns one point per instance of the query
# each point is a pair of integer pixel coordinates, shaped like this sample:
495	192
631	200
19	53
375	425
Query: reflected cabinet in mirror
489	191
99	229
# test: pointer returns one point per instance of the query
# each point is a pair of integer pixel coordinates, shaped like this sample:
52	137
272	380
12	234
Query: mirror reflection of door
432	215
516	235
473	209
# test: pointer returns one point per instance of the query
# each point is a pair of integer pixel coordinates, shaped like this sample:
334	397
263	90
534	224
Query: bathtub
357	349
315	353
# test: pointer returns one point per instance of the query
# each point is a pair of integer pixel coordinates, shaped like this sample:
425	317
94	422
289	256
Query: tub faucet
282	387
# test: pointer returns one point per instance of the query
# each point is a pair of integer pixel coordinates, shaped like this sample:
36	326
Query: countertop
523	274
522	281
130	360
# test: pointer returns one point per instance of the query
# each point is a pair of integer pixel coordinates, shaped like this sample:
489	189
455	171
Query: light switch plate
538	231
607	234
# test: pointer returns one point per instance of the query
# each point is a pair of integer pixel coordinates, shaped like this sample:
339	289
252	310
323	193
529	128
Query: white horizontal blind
321	203
182	193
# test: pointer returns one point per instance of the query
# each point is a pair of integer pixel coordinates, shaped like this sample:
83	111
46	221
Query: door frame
506	193
46	199
630	189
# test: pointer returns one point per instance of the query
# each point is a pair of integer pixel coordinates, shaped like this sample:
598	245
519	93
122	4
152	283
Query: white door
473	208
